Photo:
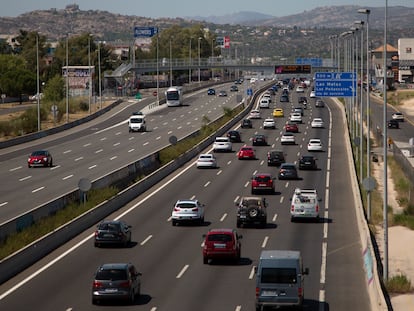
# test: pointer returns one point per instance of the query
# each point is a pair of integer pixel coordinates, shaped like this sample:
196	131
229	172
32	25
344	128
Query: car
315	144
238	81
302	99
312	94
137	122
251	210
222	144
271	91
291	127
307	162
40	158
262	182
254	114
187	211
287	139
295	117
317	123
246	123
234	88
246	152
398	116
264	102
222	93
211	91
278	113
299	110
36	96
234	136
275	157
221	244
206	160
116	281
393	124
319	103
288	171
259	140
112	232
304	204
267	95
269	123
300	89
284	98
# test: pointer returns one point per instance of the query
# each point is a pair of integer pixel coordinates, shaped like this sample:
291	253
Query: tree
55	89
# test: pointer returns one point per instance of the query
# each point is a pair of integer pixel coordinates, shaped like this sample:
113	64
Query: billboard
293	69
79	77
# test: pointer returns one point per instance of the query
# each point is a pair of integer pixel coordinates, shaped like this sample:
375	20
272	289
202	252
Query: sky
186	8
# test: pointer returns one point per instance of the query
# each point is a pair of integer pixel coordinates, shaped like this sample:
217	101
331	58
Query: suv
222	144
187	211
275	157
305	204
263	182
393	124
221	244
251	210
116	281
112	232
246	123
307	162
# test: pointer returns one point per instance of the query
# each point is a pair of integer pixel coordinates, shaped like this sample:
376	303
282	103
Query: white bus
173	96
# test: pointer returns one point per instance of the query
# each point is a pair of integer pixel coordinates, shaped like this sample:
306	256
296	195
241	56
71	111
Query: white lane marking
274	217
236	199
118	133
54	167
192	197
169	132
179	128
323	264
4	203
252	273
25	178
99	151
287	185
281	199
229	162
223	217
103	138
131	138
113	158
238	308
219	172
67	151
15	168
153	309
255	172
265	241
116	144
325	225
67	177
179	275
207	183
146	239
87	145
78	159
146	143
92	167
261	162
38	189
130	150
158	138
246	184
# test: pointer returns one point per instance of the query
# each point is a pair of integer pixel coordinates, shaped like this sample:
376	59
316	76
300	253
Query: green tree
55	89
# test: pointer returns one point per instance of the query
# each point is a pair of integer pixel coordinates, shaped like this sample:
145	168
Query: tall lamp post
170	62
367	12
199	60
212	58
189	65
67	79
37	83
99	73
89	71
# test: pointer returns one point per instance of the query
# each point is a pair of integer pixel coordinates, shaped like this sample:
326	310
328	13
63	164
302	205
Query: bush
399	284
84	106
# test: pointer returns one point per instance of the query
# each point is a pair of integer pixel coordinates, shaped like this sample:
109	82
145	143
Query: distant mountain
241	18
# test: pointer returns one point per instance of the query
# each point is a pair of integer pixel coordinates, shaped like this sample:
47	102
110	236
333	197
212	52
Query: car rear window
219	237
278	275
109	226
262	178
112	275
186	205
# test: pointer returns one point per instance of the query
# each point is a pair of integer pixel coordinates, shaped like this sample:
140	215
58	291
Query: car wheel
132	297
51	163
253	212
28	165
205	260
292	219
238	224
95	301
96	244
174	223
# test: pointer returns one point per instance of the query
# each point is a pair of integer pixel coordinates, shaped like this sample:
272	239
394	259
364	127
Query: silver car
206	160
187	211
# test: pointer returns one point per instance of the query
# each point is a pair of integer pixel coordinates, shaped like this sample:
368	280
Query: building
406	60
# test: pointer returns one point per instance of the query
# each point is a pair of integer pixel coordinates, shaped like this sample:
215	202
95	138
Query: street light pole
37	82
212	59
189	65
89	71
67	79
199	60
99	73
170	63
367	12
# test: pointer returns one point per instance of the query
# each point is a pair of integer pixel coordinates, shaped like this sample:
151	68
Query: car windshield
249	202
219	237
111	275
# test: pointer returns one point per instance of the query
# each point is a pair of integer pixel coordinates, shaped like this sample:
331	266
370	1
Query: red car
246	152
221	244
263	182
291	127
40	158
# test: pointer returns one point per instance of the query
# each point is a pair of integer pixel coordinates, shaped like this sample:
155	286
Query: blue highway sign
145	32
335	84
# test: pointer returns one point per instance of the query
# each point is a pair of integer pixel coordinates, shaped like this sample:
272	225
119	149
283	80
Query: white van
280	279
305	204
137	123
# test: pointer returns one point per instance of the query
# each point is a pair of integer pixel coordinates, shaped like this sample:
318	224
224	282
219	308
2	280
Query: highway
97	148
170	259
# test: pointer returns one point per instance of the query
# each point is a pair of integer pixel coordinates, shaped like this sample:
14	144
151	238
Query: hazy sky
183	8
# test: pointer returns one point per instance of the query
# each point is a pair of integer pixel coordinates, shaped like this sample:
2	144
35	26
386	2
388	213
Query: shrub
399	284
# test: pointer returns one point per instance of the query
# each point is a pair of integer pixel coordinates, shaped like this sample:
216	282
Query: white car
264	102
305	204
317	123
206	160
398	116
295	117
288	139
222	144
269	123
187	211
300	89
254	114
312	94
315	144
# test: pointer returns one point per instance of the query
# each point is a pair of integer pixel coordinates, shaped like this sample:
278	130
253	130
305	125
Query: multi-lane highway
170	258
93	150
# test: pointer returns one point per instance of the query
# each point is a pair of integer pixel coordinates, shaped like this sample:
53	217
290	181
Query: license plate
242	216
269	293
219	245
111	290
108	235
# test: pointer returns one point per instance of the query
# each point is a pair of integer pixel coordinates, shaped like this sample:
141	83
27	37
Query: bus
173	96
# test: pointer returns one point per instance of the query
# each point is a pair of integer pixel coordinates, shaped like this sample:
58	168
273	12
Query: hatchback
288	171
398	116
211	92
269	123
307	162
221	244
40	158
295	117
116	281
278	112
315	144
246	152
284	98
187	211
319	103
222	93
222	144
246	123
206	160
291	127
317	123
234	136
262	182
112	232
393	124
288	139
234	88
259	140
254	114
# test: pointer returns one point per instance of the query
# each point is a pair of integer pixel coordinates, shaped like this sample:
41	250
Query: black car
307	162
222	93
251	210
284	98
275	158
393	124
234	136
319	103
112	232
288	171
211	92
259	140
302	99
234	88
246	123
116	281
